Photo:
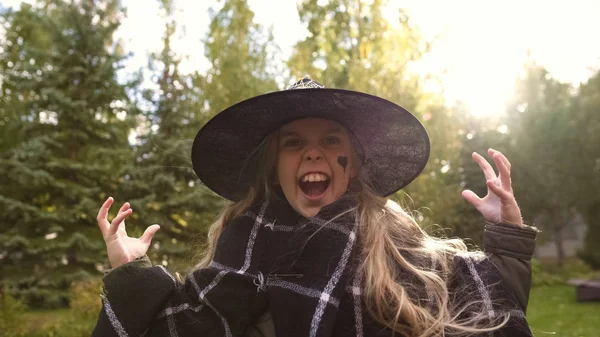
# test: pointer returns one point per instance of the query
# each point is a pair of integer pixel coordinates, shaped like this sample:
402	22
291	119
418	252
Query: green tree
241	55
14	92
547	152
351	45
69	119
161	184
586	107
477	135
455	135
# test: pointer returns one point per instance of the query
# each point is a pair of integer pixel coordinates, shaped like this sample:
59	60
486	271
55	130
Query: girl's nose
313	155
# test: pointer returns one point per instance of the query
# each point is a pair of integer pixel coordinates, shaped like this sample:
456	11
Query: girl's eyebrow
334	130
294	133
288	133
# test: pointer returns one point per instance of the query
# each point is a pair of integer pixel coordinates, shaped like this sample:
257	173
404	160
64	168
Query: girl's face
315	163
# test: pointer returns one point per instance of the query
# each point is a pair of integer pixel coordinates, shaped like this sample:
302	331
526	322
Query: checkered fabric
303	271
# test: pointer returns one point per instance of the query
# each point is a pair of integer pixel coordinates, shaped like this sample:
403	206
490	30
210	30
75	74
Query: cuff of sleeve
126	269
135	292
510	240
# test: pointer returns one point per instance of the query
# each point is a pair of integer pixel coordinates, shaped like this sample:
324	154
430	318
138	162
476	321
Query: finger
504	159
103	211
504	173
122	228
487	169
471	197
114	225
103	214
124	207
499	191
149	233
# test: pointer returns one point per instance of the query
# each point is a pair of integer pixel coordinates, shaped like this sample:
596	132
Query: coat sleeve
510	249
478	289
144	300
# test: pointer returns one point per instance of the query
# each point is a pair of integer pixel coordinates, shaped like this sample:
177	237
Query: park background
103	98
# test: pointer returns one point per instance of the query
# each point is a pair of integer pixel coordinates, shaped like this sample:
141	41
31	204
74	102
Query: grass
39	320
553	311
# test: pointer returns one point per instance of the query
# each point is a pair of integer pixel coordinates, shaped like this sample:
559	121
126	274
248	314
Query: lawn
553	311
39	320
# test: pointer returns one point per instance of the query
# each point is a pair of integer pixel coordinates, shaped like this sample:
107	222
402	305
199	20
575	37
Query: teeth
314	177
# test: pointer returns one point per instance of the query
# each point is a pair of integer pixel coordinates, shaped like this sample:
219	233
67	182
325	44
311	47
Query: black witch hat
394	145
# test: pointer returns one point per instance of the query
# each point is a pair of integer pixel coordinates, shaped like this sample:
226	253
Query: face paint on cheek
343	161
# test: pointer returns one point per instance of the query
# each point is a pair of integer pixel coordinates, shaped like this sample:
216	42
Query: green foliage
242	55
587	103
552	274
542	131
59	90
85	305
352	45
160	184
11	315
552	144
78	321
65	121
590	252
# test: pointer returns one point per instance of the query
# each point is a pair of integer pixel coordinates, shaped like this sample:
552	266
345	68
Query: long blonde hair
390	240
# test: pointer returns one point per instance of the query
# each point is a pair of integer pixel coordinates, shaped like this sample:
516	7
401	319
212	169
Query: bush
591	255
551	274
40	298
11	315
590	252
85	305
77	321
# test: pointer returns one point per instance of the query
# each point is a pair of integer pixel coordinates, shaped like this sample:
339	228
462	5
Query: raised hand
499	205
120	247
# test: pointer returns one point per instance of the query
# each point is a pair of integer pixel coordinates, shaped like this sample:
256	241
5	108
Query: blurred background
103	98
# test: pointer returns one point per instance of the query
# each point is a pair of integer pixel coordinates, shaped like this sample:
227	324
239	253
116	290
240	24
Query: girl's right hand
120	247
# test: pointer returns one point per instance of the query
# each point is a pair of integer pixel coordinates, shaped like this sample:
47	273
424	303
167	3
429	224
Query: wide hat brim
394	144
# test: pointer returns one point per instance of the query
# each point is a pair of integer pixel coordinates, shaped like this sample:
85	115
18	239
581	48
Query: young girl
310	246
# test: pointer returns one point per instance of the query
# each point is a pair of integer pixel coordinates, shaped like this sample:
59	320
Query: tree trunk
558	242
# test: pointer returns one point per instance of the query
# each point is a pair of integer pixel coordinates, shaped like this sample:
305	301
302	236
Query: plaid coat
303	272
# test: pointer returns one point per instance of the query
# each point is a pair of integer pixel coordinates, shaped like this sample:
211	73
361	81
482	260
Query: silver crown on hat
306	83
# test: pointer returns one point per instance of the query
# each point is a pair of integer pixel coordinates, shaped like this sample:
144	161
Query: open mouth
314	184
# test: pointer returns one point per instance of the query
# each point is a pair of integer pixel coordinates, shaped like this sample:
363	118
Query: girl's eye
332	140
291	142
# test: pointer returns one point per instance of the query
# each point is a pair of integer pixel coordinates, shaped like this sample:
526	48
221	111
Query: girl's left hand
499	205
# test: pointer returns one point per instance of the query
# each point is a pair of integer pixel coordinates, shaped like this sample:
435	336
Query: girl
310	246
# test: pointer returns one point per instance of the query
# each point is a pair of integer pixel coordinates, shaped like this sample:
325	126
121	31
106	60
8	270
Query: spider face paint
343	161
